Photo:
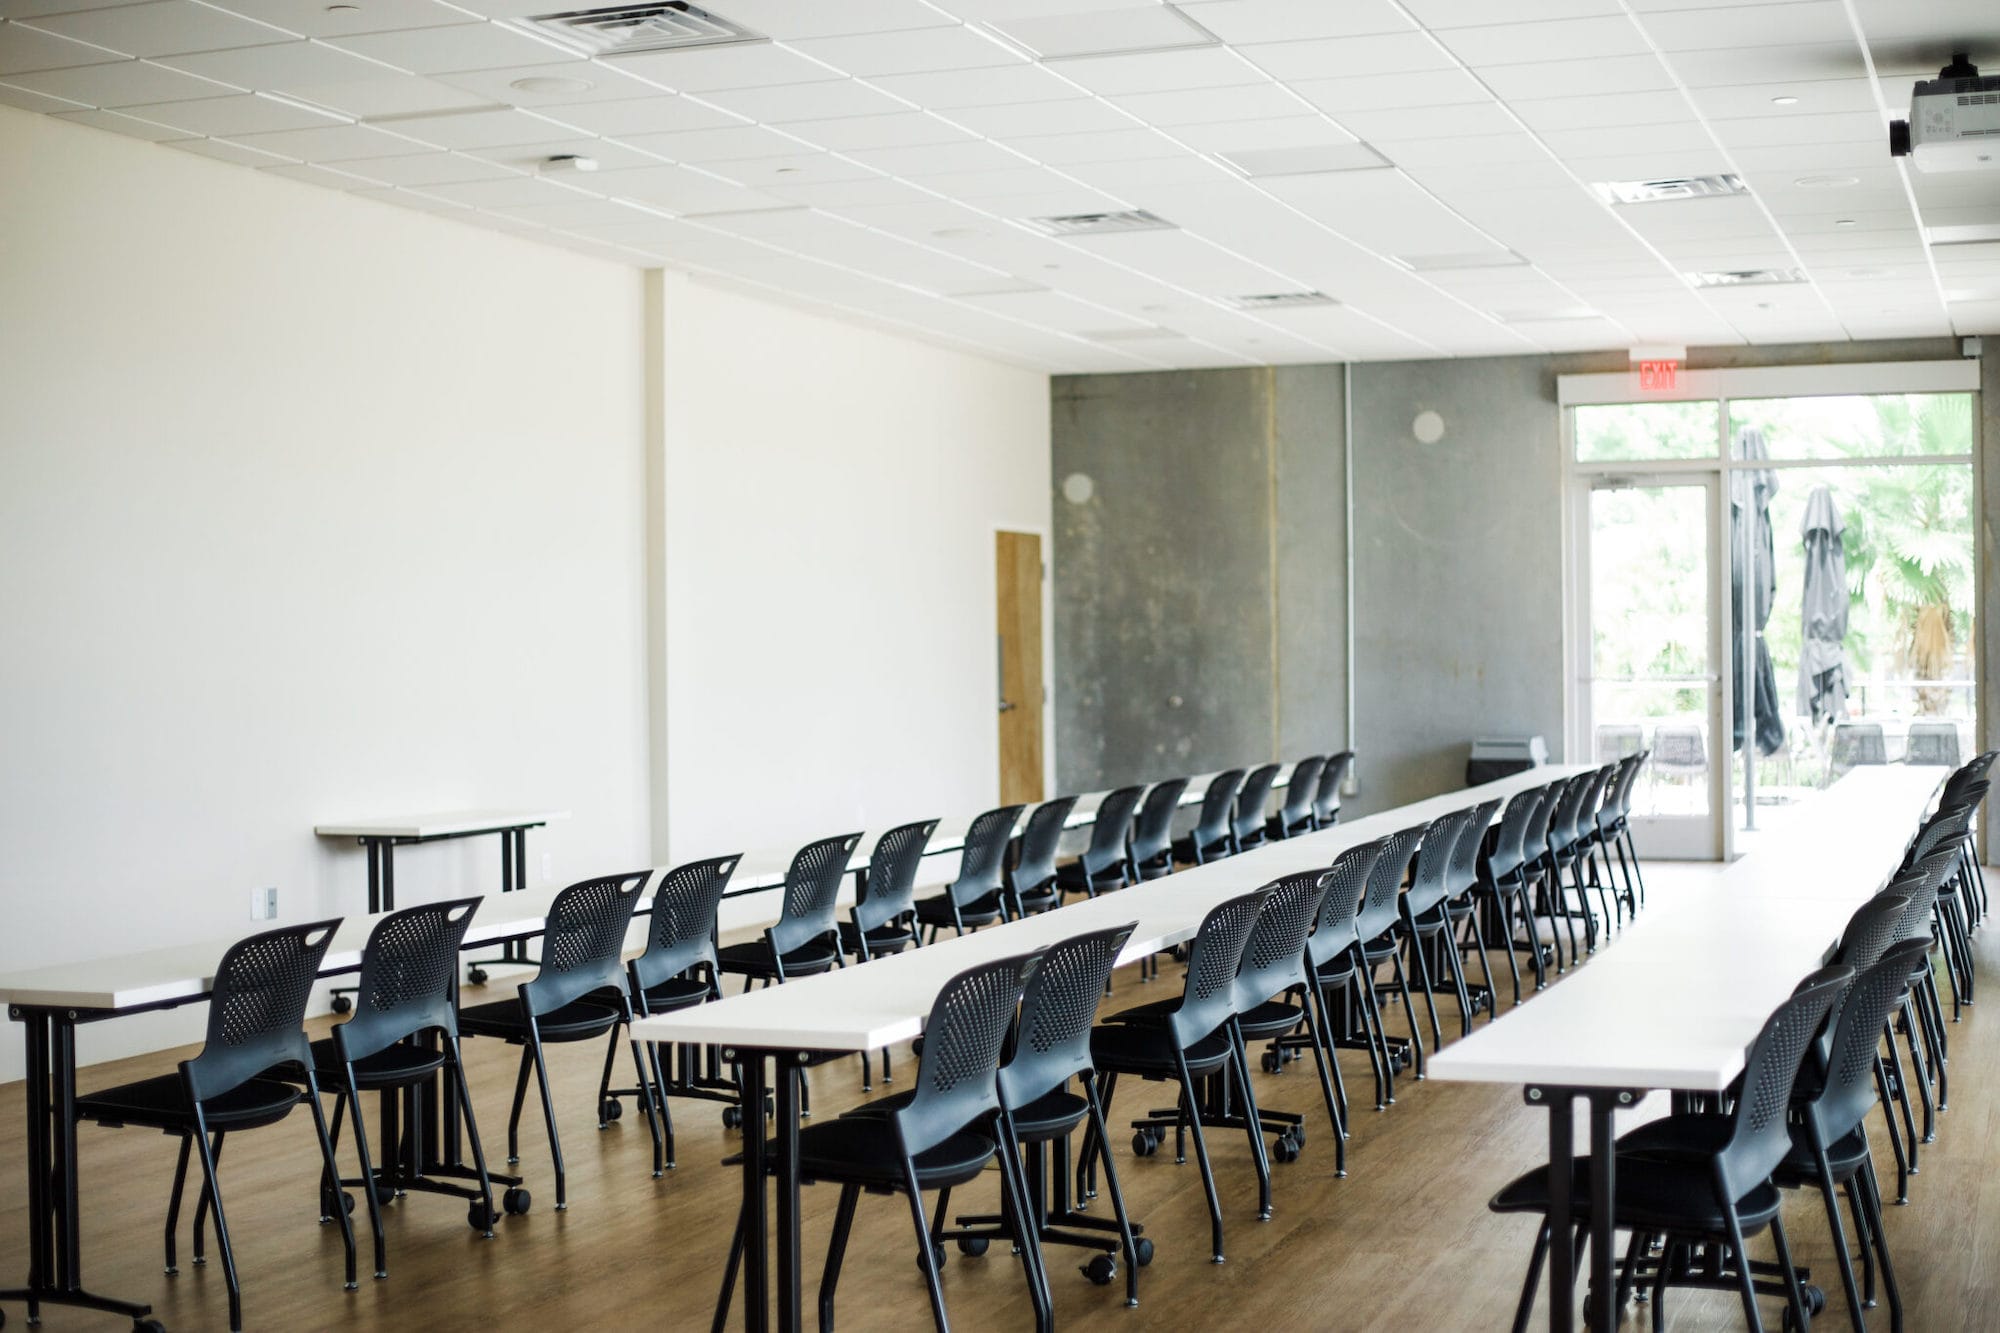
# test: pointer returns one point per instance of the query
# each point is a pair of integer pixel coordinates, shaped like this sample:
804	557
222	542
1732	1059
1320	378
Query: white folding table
1675	1000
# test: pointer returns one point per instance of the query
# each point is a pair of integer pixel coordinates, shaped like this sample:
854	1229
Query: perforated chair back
1932	741
1346	883
1058	1007
1463	872
408	969
1428	885
1379	908
981	864
1110	829
1610	808
1035	866
1758	1137
1856	744
1594	786
1326	800
681	934
1975	770
1566	825
1946	828
1920	886
812	893
1848	1092
1211	825
1875	925
583	943
957	1075
1681	747
1251	802
1615	740
1296	811
890	891
1153	830
1208	999
1509	842
1536	840
257	1008
1274	957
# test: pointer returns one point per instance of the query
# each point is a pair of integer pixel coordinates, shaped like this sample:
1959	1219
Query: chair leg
1252	1122
201	1201
604	1080
1188	1109
1895	1139
1456	965
926	1259
210	1193
1533	1280
836	1254
520	1100
1744	1278
1504	900
1794	1290
1020	1217
1098	1127
1315	1018
1485	968
729	1267
174	1204
1377	1038
326	1156
350	1093
549	1114
1864	1240
1902	1086
1413	942
1871	1196
1829	1194
1409	1012
457	1066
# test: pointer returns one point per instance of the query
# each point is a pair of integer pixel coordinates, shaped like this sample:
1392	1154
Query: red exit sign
1658	376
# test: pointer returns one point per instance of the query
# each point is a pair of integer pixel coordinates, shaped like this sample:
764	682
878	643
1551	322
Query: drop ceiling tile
921	160
788	20
920	51
483	128
1465	183
41	103
24	49
415	200
823	99
1026	119
224	151
1815	97
657	113
334	143
1549	115
23	9
119	123
1295	20
1387	92
1096	32
681	190
1578	78
1349	57
715	68
505	193
385	94
798	169
1204	67
120	84
1485	148
325	177
425	169
1129	145
1671	136
730	143
162	28
1522	43
534	157
1650	166
316	18
977	185
1206	106
278	67
1131	178
1767	66
1750	26
1442	14
242	113
1001	85
577	212
842	195
1231	136
559	84
455	49
1436	122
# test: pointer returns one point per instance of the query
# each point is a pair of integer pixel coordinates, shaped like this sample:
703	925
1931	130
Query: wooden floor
1405	1242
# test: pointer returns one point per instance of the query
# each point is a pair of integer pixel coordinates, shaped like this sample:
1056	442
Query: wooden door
1018	561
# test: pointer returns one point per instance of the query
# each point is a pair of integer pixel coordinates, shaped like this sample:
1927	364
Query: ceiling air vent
1099	224
1669	189
1747	277
623	30
1280	300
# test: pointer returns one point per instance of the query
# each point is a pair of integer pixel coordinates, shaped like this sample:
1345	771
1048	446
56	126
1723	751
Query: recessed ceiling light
786	171
1280	300
1826	182
343	9
1746	277
1845	222
1784	101
548	83
1765	305
1098	224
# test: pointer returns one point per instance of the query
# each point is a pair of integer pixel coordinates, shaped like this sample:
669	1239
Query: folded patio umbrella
1751	503
1823	613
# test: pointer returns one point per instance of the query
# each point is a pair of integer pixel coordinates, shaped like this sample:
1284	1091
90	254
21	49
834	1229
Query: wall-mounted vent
1280	300
1747	277
624	30
1099	224
1670	189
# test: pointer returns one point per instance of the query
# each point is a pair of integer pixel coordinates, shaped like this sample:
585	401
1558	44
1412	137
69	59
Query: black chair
1503	888
1295	812
1153	829
1542	883
1192	1041
677	970
1031	881
940	1138
1463	899
404	1033
1589	844
805	940
1326	799
1051	1046
884	919
1106	863
1333	971
1273	998
577	995
1423	926
1716	1197
1614	828
1566	854
1376	929
1246	828
256	1041
1211	839
978	897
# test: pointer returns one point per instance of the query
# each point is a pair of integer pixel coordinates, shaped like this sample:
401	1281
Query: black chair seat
161	1103
576	1021
676	993
1270	1019
1336	970
753	959
1148	1048
1051	1116
979	912
887	938
1685	1137
391	1067
862	1149
1070	875
1654	1195
1185	850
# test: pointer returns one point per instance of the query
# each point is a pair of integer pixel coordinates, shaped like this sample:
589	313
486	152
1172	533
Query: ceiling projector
1954	122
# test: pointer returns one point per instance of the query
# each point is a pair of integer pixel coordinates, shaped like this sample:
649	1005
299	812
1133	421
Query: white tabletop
1675	1000
440	824
885	1001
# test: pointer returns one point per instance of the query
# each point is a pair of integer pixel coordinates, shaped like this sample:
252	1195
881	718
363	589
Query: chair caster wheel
341	1004
148	1326
937	1257
1298	1133
1100	1270
170	1271
517	1201
1273	1063
609	1109
732	1117
1145	1143
973	1246
1283	1149
384	1196
481	1217
477	976
1142	1250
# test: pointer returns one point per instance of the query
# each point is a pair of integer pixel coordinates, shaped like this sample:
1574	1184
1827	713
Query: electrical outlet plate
264	903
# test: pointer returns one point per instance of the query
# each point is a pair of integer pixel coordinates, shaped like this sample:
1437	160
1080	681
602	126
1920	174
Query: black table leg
791	1299
55	1259
1604	1104
388	877
756	1228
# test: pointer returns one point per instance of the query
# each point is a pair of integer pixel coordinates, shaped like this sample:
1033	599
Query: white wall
830	499
310	507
